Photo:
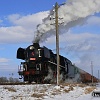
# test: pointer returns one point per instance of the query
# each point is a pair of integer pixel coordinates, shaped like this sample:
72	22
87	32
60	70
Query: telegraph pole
98	75
92	71
57	40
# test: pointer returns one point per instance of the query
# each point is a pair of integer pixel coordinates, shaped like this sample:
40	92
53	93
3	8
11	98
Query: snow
48	92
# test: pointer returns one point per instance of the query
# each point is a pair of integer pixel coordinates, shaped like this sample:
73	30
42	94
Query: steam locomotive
40	64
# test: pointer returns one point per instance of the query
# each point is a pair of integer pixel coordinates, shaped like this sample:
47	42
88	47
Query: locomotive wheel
40	79
37	79
25	78
30	79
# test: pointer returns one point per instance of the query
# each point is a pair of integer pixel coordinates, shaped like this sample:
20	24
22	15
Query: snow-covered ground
48	92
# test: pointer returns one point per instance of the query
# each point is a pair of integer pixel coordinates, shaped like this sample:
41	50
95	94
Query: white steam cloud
73	12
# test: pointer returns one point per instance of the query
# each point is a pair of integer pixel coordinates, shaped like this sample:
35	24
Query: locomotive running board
56	64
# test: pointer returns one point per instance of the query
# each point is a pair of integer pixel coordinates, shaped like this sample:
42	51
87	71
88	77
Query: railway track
23	83
20	83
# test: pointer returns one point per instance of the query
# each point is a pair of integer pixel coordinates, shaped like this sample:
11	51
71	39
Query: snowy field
48	92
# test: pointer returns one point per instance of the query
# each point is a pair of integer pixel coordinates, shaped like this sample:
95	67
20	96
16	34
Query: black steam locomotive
40	65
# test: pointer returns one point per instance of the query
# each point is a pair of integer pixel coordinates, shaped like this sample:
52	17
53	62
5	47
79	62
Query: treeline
5	80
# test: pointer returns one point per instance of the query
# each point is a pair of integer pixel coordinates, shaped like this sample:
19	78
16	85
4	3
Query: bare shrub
3	79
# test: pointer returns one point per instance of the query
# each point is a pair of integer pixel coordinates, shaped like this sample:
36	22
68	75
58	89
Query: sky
21	20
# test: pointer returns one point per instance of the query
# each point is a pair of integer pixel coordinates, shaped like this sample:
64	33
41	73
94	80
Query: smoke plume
73	12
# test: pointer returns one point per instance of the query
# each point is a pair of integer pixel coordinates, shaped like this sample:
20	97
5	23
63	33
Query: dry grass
38	95
65	84
82	85
69	89
39	92
16	97
73	84
89	90
56	92
10	89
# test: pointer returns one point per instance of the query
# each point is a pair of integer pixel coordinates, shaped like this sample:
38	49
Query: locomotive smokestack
36	45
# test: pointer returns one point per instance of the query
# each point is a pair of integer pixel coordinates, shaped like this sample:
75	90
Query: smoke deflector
20	53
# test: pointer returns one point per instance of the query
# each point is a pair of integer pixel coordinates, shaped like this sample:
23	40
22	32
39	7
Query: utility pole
56	17
92	71
57	40
98	75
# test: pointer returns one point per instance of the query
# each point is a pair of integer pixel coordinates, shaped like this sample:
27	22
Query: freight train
40	66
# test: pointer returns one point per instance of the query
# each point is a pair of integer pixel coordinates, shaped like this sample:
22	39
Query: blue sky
79	42
8	62
26	6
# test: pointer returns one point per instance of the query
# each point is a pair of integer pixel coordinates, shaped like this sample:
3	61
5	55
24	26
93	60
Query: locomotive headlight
31	47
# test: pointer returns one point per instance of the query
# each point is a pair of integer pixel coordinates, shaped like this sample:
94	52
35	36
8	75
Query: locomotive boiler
40	64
